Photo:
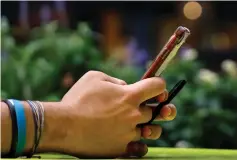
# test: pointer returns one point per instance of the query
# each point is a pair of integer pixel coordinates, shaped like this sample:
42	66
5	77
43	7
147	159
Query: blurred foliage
51	61
47	65
206	108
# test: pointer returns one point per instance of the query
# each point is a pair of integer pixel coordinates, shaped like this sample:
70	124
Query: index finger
146	88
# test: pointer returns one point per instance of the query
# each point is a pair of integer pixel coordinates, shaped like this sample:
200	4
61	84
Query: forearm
6	129
53	133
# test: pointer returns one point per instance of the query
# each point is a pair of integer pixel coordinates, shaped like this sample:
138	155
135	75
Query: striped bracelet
38	114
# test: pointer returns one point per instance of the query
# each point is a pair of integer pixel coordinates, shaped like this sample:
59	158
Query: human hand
103	114
153	131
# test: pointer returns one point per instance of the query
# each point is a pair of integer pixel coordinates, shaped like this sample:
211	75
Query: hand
103	113
167	113
153	132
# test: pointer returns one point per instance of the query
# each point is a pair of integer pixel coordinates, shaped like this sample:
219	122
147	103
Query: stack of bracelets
18	117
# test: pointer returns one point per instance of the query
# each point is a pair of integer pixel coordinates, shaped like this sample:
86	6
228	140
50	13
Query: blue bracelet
21	124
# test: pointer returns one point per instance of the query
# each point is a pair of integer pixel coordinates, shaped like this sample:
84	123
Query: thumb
147	88
136	149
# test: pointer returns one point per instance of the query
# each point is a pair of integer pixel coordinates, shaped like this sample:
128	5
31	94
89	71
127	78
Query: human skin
96	118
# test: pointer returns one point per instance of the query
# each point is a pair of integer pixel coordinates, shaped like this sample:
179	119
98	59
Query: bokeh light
192	10
220	41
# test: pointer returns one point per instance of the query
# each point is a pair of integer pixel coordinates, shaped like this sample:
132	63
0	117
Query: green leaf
83	29
8	43
227	129
4	25
50	28
4	94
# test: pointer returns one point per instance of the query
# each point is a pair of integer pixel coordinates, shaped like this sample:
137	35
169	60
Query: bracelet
14	130
19	126
41	109
38	114
21	121
35	117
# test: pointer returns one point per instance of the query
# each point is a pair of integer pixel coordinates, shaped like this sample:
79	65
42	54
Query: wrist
54	133
55	129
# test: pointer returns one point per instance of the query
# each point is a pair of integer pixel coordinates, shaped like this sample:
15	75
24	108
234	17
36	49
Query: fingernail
149	131
169	112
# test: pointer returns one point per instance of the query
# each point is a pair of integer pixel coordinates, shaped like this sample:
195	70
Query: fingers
145	114
146	89
167	113
151	132
163	96
136	149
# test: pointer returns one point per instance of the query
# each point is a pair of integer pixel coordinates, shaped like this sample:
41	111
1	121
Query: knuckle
130	95
123	82
161	84
94	73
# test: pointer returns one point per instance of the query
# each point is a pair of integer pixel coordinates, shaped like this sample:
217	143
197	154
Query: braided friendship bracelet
40	109
40	106
38	114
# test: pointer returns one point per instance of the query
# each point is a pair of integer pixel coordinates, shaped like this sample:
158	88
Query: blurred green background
47	46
